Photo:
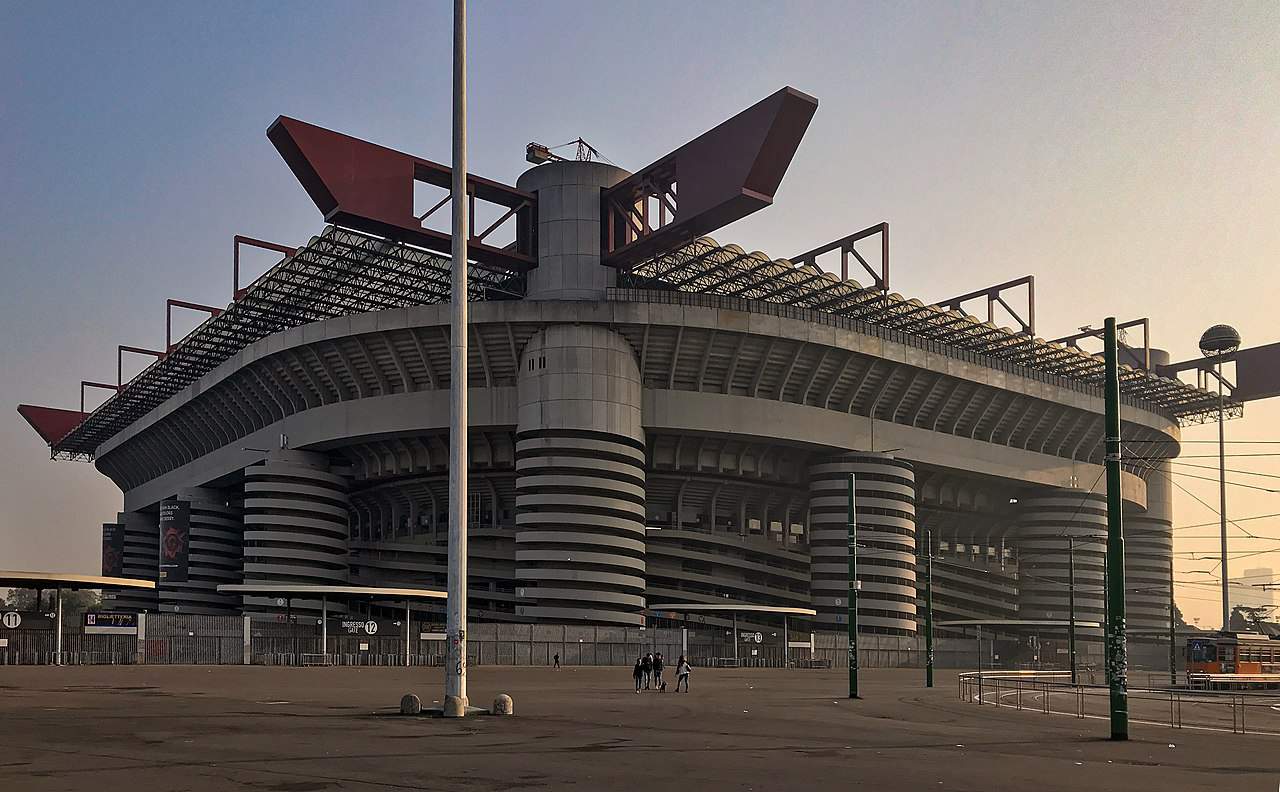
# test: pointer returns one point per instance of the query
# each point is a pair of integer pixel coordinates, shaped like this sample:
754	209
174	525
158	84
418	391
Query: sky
1127	155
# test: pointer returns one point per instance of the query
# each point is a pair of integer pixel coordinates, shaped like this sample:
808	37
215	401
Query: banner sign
175	540
365	627
110	623
112	550
25	620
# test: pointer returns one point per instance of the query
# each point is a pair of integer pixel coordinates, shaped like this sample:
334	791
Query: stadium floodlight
1218	343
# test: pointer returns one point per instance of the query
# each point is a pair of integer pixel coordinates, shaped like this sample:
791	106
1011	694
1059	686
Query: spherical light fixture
1219	340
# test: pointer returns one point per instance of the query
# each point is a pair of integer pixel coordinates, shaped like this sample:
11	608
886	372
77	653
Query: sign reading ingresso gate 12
175	540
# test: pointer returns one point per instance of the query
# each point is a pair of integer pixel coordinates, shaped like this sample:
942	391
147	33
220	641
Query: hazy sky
1128	156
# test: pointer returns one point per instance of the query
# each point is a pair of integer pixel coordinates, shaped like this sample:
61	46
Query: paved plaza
317	729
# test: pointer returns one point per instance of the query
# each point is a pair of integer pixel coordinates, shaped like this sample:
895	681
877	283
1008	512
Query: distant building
1246	590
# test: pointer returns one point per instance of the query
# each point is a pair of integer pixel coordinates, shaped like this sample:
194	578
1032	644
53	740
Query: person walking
555	661
646	669
658	684
682	674
637	673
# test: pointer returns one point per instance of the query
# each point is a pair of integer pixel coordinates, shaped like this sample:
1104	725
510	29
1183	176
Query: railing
1202	681
1051	693
381	659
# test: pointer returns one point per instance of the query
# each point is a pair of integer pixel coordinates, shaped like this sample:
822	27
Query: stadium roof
302	590
338	273
707	267
343	272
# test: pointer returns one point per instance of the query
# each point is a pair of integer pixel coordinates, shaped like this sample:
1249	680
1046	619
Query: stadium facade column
214	555
580	446
885	491
1047	518
568	232
1148	554
295	526
580	479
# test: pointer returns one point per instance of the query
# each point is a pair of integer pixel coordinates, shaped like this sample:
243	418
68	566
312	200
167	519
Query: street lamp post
1071	605
853	592
455	673
1219	343
928	607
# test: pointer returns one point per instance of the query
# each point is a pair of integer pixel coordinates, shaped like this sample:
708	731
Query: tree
1180	623
74	603
1247	619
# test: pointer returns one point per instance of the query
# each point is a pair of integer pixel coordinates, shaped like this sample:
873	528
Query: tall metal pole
928	607
406	633
455	674
1173	632
853	593
1071	605
1222	504
1117	660
786	644
735	636
58	642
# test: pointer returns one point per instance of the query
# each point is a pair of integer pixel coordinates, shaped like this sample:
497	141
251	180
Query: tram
1233	653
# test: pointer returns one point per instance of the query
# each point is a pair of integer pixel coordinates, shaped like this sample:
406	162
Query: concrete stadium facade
638	445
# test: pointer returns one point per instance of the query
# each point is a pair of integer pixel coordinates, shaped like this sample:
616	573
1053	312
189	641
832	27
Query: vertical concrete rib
580	476
885	490
295	524
214	557
1047	519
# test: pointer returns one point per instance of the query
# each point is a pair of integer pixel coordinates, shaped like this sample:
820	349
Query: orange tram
1243	654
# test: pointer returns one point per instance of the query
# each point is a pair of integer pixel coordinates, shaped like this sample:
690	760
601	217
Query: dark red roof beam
720	176
367	187
169	305
237	241
51	423
121	349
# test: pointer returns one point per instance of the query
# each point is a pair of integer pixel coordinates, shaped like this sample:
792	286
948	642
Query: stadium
656	416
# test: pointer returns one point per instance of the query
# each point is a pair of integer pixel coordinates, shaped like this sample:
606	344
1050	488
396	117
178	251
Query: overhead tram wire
1198	499
1240	519
1231	483
1229	470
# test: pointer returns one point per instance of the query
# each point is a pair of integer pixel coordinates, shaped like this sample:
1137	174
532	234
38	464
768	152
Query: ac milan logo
174	541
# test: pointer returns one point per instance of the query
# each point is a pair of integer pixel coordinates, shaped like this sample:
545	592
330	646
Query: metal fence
1173	707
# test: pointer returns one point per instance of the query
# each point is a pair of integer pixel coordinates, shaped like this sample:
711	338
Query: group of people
648	672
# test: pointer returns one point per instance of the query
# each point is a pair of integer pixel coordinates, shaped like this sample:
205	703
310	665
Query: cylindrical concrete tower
295	525
885	496
580	478
141	561
214	557
568	231
1047	520
1148	552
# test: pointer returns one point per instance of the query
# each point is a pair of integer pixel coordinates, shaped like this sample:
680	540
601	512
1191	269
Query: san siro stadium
655	416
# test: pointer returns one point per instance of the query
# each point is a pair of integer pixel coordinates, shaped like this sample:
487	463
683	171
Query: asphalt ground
200	728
